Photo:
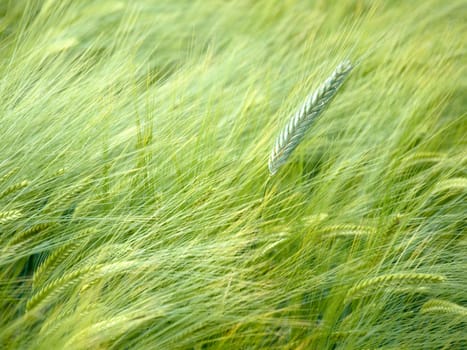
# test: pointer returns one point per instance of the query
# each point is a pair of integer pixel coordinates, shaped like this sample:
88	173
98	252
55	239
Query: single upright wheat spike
293	133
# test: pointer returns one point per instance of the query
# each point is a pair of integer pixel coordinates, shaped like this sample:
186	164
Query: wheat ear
293	133
458	184
347	230
14	188
52	261
57	286
57	257
443	306
8	175
24	235
379	281
7	216
71	279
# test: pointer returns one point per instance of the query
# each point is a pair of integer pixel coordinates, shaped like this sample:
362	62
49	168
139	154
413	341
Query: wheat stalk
293	133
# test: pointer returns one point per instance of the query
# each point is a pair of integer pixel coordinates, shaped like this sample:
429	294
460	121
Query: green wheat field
162	187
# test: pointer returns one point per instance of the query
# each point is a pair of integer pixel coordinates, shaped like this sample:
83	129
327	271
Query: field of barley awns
249	174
